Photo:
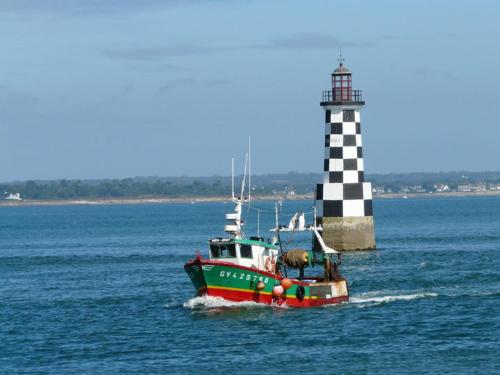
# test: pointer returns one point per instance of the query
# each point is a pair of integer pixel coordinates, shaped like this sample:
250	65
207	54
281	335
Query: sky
123	88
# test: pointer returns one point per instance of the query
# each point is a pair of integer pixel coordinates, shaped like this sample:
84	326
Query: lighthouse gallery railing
342	95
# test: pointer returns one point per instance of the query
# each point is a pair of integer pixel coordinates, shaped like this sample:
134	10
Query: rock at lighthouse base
349	233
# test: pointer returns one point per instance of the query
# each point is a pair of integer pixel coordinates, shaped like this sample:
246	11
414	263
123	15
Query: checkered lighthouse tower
344	199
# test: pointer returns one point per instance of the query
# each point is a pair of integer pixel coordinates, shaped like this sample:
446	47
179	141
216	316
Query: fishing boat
241	268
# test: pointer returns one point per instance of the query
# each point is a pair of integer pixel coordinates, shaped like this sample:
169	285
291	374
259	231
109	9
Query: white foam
214	302
171	304
369	298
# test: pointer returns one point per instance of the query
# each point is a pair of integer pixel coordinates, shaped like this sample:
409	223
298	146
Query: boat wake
172	304
373	299
209	302
363	300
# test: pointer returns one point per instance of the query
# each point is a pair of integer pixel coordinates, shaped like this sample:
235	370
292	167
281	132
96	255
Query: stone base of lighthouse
349	233
345	211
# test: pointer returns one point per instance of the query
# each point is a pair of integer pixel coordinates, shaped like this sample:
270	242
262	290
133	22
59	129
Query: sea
100	289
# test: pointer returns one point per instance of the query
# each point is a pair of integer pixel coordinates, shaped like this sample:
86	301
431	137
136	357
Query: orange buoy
260	285
286	283
278	290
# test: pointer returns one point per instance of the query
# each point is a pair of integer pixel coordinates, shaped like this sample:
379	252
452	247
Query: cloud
293	42
13	100
169	86
417	36
128	87
154	53
155	65
216	82
307	41
432	73
180	82
87	7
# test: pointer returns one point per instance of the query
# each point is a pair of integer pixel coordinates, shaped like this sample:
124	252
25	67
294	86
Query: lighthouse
344	199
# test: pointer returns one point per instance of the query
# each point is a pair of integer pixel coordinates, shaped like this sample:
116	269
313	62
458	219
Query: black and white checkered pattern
343	192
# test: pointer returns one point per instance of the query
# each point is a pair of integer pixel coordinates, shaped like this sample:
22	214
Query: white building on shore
13	197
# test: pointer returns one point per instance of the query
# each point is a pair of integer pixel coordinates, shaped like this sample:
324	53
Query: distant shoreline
489	193
166	200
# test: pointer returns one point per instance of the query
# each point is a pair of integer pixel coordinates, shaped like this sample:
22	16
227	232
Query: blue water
101	290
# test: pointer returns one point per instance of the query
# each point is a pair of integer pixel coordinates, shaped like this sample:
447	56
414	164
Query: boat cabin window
246	251
223	251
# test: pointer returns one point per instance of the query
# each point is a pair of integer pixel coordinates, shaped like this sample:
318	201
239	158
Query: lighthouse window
246	251
348	115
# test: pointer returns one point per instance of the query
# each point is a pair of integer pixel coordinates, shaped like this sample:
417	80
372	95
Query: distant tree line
118	188
299	183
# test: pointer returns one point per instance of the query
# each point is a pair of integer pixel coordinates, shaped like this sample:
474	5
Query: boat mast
232	177
249	169
235	226
244	177
258	222
276	214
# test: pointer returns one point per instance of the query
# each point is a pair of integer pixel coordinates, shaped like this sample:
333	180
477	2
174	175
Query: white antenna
232	176
244	176
249	169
